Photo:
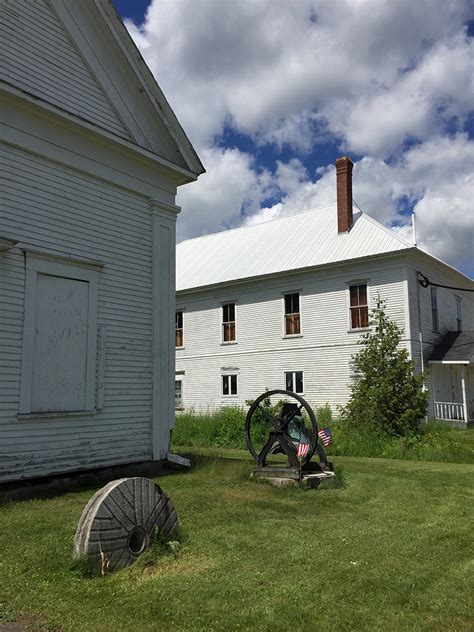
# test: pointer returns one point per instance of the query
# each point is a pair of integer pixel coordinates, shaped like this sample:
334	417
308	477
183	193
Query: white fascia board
182	176
422	254
449	362
150	86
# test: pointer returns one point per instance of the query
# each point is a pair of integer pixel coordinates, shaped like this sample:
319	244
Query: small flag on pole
302	449
326	436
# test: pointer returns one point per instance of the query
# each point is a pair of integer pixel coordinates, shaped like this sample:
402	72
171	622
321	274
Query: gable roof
299	241
79	58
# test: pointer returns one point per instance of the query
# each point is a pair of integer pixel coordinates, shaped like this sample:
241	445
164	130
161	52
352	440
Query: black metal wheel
277	428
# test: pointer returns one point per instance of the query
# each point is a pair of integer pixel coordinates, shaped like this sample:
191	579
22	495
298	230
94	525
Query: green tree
389	393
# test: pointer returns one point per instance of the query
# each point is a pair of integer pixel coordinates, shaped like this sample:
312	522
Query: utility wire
425	282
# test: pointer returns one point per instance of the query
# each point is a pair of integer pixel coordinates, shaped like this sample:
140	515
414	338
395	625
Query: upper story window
229	384
434	308
228	322
459	313
294	381
359	307
292	314
179	332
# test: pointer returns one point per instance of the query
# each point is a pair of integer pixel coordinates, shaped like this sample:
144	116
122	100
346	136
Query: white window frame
284	294
179	377
293	380
228	342
36	264
348	302
179	309
230	374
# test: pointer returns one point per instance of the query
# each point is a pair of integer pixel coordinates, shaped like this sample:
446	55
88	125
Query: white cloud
373	71
437	176
367	75
216	200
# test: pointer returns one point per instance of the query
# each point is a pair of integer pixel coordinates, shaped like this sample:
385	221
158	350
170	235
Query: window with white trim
434	308
358	306
179	330
292	314
459	313
178	394
229	384
294	381
58	372
228	322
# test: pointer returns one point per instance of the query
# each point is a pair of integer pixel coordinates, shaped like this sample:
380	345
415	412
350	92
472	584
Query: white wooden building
91	158
282	304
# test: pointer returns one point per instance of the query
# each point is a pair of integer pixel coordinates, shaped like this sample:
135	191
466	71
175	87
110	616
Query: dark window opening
359	307
292	314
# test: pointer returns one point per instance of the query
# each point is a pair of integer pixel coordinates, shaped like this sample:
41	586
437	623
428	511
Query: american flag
302	449
326	436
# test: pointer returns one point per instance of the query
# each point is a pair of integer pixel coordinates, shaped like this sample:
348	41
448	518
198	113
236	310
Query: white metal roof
302	240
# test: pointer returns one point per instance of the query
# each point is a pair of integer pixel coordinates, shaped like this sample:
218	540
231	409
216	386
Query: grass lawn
390	551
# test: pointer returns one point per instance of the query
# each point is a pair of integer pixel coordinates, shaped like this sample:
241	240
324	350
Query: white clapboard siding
40	58
262	353
421	316
57	209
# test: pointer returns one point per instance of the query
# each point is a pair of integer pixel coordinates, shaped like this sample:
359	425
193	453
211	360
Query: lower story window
294	381
229	384
178	394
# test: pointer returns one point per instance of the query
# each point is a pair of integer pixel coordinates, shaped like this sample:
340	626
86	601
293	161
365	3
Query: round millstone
120	520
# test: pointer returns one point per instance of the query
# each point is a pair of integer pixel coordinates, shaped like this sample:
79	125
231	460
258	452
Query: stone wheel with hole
120	520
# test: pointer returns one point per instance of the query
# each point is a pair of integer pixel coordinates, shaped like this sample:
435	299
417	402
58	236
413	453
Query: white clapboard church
91	158
282	305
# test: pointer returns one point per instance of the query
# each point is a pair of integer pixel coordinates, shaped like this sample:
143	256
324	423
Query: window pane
292	325
354	298
364	316
179	338
229	332
178	392
362	290
231	307
298	382
225	384
289	381
179	320
288	304
296	303
233	385
225	313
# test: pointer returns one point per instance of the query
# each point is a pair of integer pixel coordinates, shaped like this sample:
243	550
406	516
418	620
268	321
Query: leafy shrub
324	416
389	394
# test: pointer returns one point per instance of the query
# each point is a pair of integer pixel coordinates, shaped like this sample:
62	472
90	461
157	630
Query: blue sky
272	92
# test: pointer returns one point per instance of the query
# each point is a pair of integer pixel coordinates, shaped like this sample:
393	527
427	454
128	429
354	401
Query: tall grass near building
434	441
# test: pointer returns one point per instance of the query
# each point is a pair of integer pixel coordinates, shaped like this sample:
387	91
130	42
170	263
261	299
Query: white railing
449	410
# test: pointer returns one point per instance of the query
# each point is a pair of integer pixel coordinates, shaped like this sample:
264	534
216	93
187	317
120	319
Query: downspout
420	337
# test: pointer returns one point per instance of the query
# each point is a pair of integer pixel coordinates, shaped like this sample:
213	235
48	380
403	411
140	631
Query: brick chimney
344	194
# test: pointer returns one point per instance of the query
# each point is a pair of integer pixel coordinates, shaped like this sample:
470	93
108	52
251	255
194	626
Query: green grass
389	551
436	441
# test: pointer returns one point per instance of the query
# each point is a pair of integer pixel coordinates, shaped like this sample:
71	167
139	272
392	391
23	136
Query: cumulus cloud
390	82
230	187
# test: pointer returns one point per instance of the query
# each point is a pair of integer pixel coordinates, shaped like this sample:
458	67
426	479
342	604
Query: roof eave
150	86
271	275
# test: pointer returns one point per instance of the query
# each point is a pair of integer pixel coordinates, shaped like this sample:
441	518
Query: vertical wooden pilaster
164	300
